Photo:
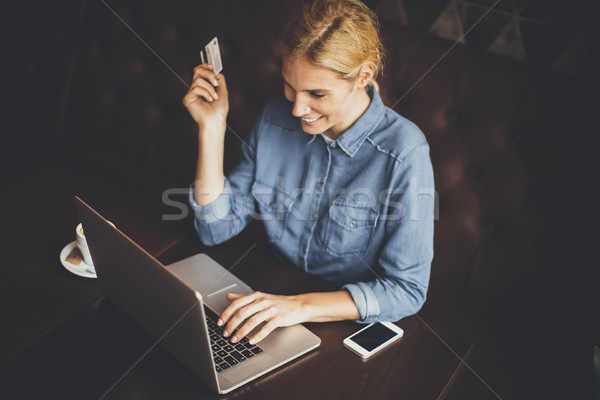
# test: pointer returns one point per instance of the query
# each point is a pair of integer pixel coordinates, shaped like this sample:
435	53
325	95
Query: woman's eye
317	95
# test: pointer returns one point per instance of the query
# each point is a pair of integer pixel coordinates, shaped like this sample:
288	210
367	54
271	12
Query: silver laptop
177	305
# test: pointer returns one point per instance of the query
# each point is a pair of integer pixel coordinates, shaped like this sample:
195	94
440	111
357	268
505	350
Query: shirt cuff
218	210
365	300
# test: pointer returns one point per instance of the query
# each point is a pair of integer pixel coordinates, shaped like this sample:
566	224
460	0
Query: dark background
73	72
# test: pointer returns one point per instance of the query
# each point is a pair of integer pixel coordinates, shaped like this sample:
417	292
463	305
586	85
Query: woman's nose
300	108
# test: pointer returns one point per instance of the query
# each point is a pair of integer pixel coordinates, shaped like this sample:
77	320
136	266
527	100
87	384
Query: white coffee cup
82	244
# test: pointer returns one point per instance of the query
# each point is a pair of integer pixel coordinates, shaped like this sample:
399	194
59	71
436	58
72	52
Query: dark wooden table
69	342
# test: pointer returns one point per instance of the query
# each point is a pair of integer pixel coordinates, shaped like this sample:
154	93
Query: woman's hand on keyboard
246	312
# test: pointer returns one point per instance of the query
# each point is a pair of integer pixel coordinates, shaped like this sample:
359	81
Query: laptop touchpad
208	277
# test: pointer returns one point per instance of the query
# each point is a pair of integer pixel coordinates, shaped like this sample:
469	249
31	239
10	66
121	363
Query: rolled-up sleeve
402	274
220	220
231	212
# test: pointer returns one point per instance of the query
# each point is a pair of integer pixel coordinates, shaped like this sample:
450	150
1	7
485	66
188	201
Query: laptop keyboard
227	354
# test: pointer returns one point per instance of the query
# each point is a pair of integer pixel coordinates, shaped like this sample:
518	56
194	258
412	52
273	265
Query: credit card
212	55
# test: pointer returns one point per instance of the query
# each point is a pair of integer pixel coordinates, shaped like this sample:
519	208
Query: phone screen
373	336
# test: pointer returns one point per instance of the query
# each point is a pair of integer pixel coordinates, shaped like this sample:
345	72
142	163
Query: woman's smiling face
324	102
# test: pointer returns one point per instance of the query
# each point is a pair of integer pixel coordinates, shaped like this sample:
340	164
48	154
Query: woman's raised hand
207	99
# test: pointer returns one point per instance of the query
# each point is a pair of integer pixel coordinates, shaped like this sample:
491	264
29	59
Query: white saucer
82	269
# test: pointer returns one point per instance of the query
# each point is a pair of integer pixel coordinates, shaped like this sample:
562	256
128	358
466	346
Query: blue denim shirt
357	211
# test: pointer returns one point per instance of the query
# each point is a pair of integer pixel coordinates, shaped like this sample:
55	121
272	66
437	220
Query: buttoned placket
318	190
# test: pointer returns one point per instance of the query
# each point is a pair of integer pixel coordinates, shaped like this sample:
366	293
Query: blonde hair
340	35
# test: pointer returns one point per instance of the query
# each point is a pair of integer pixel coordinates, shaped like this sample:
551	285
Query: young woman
343	184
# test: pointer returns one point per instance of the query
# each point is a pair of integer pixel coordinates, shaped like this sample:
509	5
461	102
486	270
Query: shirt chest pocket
350	229
272	207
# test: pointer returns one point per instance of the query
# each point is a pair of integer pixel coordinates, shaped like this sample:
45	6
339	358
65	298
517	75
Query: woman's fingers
199	80
207	99
205	79
221	89
195	92
249	308
221	83
210	89
247	313
253	322
234	296
264	331
204	71
237	301
198	92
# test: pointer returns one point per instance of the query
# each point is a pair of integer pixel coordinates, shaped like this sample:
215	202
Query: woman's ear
366	75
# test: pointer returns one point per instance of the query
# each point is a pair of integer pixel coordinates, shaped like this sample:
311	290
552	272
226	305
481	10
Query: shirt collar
353	137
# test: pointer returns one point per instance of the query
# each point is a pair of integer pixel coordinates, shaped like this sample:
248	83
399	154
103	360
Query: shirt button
304	249
313	216
353	224
321	180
